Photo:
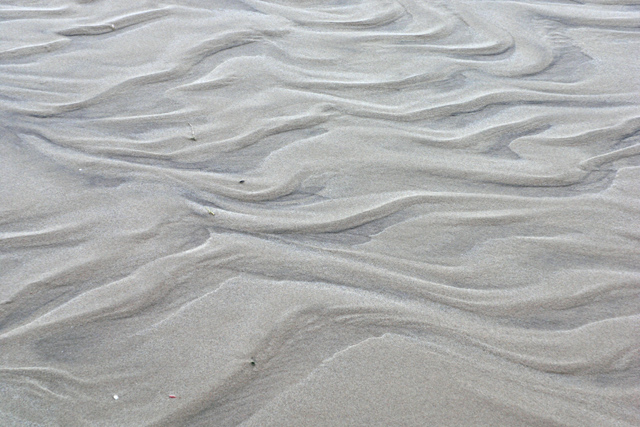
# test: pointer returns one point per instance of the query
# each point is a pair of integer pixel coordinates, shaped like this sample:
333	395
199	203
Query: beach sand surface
319	213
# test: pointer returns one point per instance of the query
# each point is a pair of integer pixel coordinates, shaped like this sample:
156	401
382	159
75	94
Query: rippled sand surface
319	213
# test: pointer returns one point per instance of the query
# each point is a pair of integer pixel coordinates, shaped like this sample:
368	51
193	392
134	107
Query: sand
319	213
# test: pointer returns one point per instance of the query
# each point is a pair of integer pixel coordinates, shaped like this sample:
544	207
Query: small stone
115	397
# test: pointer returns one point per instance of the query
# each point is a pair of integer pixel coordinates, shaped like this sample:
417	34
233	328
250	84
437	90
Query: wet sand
319	213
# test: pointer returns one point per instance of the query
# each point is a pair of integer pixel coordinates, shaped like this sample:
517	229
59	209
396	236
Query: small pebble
241	181
115	397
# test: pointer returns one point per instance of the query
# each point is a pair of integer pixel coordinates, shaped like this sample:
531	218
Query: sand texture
319	213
